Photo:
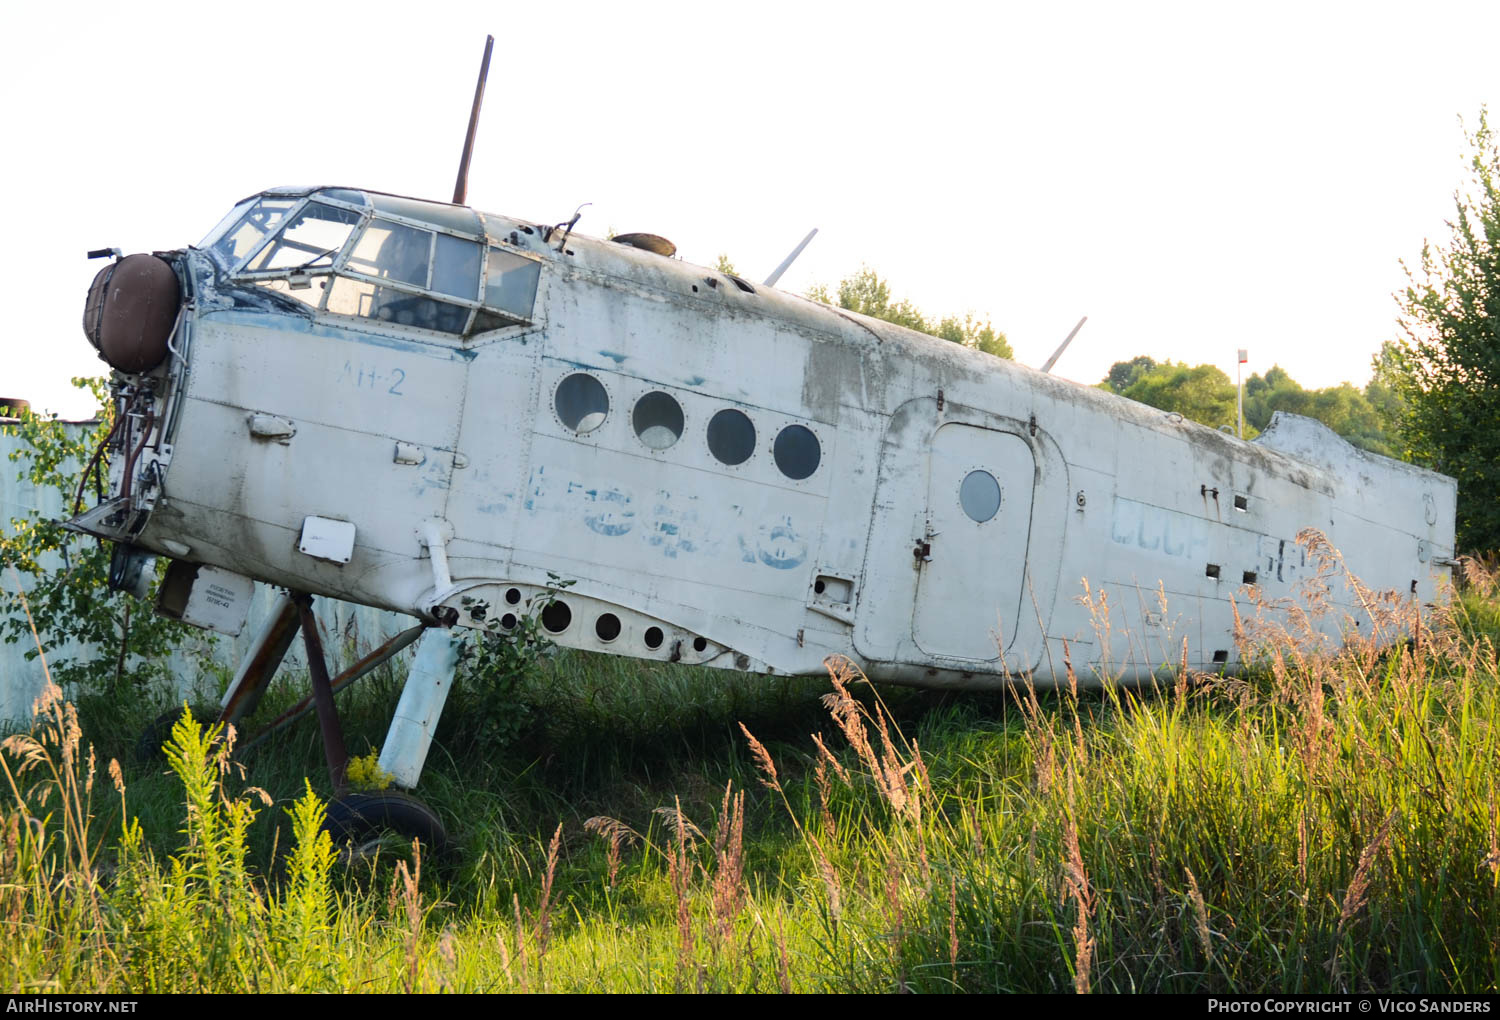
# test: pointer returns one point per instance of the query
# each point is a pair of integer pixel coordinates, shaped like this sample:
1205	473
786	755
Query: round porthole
607	627
979	495
581	402
796	451
657	419
557	616
731	437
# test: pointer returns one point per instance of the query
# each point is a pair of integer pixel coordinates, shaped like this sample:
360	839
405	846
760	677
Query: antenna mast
461	187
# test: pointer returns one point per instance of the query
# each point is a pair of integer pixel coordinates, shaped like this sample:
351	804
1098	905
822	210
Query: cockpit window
246	235
331	258
510	285
370	301
393	251
310	241
222	227
455	267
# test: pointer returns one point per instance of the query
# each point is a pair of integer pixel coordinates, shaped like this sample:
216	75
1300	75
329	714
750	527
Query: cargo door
972	578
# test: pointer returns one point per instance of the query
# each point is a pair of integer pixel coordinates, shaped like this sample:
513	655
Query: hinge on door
940	400
923	552
1032	424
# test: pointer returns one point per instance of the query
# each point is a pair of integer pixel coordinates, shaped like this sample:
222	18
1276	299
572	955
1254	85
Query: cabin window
305	291
979	495
311	240
510	285
387	304
657	420
731	437
231	218
246	235
557	616
796	452
582	403
455	267
393	251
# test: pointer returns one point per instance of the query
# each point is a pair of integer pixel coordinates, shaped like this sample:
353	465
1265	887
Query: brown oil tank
131	308
12	406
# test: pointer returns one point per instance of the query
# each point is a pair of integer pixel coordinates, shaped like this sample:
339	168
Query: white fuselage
895	550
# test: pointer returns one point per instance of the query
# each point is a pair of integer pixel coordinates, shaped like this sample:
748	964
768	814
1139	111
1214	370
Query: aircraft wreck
429	409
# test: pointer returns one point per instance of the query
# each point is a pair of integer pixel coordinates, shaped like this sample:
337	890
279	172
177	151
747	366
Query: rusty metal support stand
372	661
266	651
328	714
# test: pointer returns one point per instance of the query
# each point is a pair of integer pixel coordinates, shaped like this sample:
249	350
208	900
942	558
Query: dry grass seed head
728	887
1076	883
1200	915
763	761
544	909
1358	892
687	834
825	755
616	835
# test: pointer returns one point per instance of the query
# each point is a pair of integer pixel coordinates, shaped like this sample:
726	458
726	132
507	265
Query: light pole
1239	392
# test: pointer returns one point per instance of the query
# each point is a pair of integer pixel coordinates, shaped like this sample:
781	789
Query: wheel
361	822
148	746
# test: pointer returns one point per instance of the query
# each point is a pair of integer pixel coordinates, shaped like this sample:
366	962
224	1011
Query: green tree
94	638
1446	367
1343	408
1123	373
1203	394
1385	400
1207	396
866	293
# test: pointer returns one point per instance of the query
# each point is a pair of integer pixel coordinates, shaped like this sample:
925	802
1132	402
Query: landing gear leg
422	699
259	665
357	819
328	713
252	678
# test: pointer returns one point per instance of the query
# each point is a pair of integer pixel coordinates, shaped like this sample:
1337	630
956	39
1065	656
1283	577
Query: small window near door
979	495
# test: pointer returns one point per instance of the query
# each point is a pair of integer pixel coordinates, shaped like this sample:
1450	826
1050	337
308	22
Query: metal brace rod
260	663
328	713
379	657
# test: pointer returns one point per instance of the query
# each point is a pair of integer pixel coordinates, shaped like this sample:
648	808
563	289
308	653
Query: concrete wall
203	660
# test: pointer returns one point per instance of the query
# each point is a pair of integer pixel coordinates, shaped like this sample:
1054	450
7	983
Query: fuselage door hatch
979	496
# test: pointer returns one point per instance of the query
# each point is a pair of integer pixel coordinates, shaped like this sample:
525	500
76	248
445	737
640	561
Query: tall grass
1327	821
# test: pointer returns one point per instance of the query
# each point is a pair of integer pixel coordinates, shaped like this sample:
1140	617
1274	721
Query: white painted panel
327	539
219	600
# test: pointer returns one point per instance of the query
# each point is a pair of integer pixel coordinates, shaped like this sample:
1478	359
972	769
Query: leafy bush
97	640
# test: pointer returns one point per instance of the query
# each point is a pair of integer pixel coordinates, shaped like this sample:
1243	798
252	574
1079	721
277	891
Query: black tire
359	820
148	746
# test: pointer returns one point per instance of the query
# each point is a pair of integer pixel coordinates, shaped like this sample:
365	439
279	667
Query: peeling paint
778	546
